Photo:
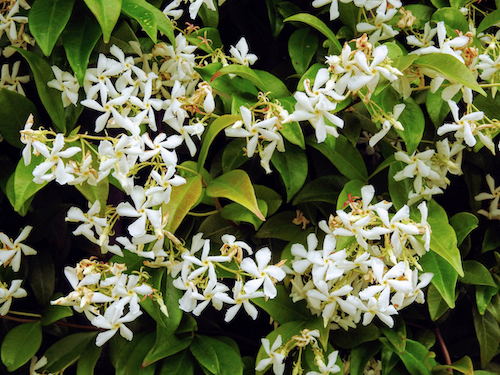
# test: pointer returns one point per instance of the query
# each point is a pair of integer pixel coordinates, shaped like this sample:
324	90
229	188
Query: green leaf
236	186
484	296
343	155
272	198
415	357
292	131
463	223
360	356
47	19
14	112
20	344
396	335
88	359
494	307
437	108
79	39
236	212
452	18
131	362
53	313
457	4
205	354
66	351
20	186
354	337
209	17
488	335
352	188
51	98
443	238
322	189
293	167
162	22
450	68
302	46
107	13
233	155
280	226
213	129
463	365
135	9
183	199
488	21
281	308
42	277
207	33
445	277
399	190
476	274
437	305
227	355
99	192
491	239
166	344
309	19
179	364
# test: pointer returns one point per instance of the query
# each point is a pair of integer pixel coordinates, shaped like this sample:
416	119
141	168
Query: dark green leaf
204	352
396	335
130	360
88	359
47	19
354	337
476	274
272	198
302	46
360	356
463	223
488	21
484	295
415	358
280	226
107	13
67	350
179	364
236	212
322	189
42	277
166	344
488	335
20	344
292	167
233	155
53	313
437	305
445	277
281	308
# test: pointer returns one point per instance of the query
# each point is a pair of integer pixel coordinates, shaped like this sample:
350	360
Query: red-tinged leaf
183	199
236	186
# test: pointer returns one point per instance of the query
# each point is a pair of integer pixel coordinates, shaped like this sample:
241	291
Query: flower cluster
368	265
11	250
107	296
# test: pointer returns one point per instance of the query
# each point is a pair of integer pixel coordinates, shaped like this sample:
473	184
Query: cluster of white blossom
107	296
493	212
368	265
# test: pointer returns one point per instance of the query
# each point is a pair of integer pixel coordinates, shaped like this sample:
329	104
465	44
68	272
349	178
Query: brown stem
446	354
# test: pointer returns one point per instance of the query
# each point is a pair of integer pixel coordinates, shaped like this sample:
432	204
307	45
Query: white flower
334	7
240	53
494	194
67	83
10	253
388	123
90	220
239	299
331	368
11	81
138	227
6	296
275	357
464	126
195	6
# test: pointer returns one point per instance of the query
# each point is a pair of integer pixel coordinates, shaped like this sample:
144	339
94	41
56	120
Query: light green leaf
281	308
450	68
463	223
309	19
99	192
476	274
107	13
463	365
351	190
272	198
488	335
179	364
236	212
88	359
135	9
183	199
20	344
443	238
452	17
213	129
488	21
322	189
79	39
162	22
51	98
302	46
343	155
457	4
445	277
66	351
14	112
236	186
47	19
20	186
280	226
293	168
437	305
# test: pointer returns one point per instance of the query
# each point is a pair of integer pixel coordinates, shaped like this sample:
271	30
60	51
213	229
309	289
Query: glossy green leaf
463	365
233	155
236	186
343	155
463	223
494	307
354	337
14	112
476	274
209	17
445	277
227	353
281	308
166	344
107	13
162	22
415	357
293	168
20	344
47	19
491	240
79	39
135	9
488	21
130	362
452	17
236	212
183	199
319	25
443	238
437	305
396	335
322	189
351	190
302	46
360	356
451	68
67	350
457	4
213	129
280	226
272	198
204	352
488	335
484	297
42	277
51	98
53	313
88	360
179	364
20	186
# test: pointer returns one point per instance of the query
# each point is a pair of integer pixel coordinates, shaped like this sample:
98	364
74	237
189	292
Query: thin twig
446	354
